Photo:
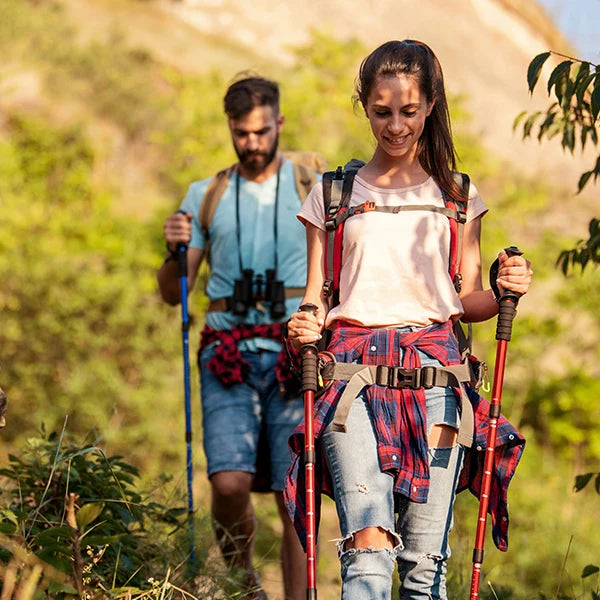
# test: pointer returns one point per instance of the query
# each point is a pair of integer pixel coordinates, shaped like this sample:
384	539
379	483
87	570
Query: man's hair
245	94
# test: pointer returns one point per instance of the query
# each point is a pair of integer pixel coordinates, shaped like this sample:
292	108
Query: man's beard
256	162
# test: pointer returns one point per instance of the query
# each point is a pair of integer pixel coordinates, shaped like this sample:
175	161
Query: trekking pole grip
507	304
182	254
310	356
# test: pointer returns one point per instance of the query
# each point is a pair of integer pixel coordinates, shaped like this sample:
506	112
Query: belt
358	376
225	304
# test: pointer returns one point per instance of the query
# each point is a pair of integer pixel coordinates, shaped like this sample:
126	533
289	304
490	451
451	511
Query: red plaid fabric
228	364
400	424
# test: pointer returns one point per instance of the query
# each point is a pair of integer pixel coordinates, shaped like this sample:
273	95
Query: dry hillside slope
484	46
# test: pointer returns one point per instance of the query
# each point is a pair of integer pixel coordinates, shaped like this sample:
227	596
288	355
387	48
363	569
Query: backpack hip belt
358	376
337	191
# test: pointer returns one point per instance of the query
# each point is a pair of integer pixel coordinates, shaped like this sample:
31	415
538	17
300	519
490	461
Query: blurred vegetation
83	333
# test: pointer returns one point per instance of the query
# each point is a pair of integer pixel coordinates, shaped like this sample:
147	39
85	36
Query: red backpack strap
337	190
456	228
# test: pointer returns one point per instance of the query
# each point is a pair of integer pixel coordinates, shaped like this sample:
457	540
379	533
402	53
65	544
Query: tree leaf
52	534
583	180
558	76
596	101
546	125
518	119
529	124
583	85
589	570
89	513
582	480
535	68
568	140
55	587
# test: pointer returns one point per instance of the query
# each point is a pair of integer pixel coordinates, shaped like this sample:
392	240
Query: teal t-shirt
257	243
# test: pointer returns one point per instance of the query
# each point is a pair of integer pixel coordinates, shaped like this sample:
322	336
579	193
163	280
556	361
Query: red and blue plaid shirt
399	417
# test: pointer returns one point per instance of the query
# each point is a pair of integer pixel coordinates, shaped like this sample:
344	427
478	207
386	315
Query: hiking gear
337	191
309	353
251	290
507	311
226	304
185	326
305	164
238	231
359	375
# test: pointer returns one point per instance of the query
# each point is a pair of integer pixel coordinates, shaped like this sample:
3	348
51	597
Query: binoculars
251	289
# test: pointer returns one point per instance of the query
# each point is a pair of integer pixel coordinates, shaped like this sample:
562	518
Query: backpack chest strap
332	222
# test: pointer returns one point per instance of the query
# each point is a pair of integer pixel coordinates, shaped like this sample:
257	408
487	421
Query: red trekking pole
310	357
506	314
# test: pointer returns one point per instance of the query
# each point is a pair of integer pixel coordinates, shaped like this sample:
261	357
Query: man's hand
178	230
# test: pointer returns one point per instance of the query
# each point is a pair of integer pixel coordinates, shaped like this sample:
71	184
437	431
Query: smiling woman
396	444
397	110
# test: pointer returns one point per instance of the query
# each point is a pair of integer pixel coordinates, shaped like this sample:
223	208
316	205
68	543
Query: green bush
83	327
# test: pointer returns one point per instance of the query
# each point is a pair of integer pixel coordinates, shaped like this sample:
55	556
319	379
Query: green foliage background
83	333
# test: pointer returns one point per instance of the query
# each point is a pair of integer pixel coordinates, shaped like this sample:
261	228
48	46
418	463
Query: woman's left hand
514	274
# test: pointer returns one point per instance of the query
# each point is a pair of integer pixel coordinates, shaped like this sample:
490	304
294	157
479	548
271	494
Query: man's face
255	137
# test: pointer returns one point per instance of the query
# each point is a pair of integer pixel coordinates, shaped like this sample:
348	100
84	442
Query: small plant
73	523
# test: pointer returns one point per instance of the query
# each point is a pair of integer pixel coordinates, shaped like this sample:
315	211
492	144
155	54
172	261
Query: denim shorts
232	418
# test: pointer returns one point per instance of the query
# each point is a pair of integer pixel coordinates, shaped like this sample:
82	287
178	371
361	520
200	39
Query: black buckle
395	377
331	223
400	378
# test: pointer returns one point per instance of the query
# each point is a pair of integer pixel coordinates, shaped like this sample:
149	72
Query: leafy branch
574	116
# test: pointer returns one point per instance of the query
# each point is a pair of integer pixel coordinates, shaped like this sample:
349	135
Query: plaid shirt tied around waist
228	364
399	419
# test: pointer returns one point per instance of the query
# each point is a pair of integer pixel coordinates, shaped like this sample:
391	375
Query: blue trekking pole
185	325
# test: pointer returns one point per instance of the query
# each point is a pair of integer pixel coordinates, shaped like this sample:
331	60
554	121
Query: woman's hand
514	274
304	328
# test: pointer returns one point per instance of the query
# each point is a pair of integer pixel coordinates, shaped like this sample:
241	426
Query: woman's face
397	108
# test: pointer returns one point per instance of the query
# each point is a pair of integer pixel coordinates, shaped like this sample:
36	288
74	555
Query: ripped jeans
364	497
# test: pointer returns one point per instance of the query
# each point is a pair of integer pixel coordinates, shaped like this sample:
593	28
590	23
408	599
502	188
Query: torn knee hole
375	538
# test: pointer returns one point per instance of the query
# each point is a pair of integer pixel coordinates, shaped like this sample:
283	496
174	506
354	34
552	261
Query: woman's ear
430	107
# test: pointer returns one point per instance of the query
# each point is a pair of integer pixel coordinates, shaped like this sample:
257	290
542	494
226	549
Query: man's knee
231	485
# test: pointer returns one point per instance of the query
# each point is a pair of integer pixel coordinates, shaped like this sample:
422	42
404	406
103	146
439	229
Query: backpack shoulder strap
457	226
337	190
211	198
306	165
304	179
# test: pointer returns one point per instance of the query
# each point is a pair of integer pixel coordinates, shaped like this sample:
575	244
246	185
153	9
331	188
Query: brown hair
250	91
435	148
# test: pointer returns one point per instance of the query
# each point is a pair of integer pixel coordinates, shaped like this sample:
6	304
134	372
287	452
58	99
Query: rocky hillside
484	47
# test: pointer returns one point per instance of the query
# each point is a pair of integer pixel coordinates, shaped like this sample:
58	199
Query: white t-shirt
394	266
